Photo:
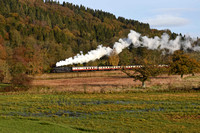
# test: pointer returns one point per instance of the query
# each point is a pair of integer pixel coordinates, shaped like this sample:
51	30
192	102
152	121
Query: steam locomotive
94	68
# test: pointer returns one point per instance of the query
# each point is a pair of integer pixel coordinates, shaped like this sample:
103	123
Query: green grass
119	112
31	125
4	85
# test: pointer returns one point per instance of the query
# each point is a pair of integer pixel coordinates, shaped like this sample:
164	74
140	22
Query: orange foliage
3	53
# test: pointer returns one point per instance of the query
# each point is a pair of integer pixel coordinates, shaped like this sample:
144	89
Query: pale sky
180	16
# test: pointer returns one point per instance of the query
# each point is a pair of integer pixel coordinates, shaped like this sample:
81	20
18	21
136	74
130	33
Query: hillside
34	35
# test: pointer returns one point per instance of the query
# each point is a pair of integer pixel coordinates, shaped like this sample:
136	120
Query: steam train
95	68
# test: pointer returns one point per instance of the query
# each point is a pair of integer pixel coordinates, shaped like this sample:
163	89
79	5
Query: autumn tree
182	64
113	59
1	76
3	62
144	72
194	66
125	57
19	67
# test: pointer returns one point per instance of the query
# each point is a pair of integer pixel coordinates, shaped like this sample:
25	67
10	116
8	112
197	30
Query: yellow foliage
113	59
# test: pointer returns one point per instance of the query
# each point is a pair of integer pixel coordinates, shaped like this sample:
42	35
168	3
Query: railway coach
91	68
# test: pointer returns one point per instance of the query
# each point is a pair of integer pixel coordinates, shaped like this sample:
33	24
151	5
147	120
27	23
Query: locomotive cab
61	69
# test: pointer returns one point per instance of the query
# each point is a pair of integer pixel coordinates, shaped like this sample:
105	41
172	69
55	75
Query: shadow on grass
83	129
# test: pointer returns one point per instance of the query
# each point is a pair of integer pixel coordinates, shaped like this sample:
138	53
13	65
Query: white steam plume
90	56
138	41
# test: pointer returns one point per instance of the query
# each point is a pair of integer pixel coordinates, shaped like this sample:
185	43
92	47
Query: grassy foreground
120	112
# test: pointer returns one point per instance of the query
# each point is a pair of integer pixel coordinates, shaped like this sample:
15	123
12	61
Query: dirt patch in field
105	81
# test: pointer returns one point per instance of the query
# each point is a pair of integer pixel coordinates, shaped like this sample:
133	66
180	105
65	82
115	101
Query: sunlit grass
31	125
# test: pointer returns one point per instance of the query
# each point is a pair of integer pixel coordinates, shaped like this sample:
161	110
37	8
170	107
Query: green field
118	112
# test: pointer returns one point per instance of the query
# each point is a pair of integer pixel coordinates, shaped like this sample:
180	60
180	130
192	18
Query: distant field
118	112
106	81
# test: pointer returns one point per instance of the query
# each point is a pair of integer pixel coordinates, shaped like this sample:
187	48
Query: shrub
1	76
21	80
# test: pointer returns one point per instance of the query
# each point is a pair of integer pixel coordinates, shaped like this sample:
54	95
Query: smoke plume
134	38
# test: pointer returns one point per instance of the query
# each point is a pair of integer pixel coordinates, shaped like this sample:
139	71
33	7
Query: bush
21	80
1	76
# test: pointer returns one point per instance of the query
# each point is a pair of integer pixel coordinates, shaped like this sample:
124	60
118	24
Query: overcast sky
180	16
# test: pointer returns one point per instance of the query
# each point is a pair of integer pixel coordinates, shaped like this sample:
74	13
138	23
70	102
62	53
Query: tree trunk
143	84
181	75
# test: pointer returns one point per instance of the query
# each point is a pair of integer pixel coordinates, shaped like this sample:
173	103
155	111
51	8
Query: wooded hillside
34	35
